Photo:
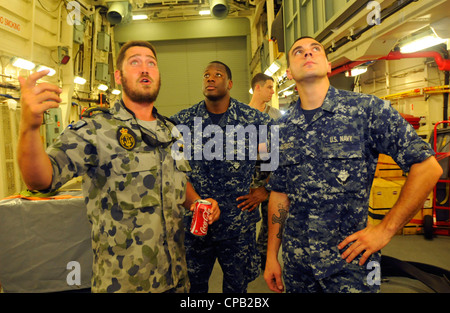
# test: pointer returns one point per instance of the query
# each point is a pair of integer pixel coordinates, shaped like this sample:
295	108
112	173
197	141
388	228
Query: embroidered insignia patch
126	138
343	176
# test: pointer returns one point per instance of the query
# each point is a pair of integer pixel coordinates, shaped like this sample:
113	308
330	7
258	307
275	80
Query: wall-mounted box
101	72
78	33
103	41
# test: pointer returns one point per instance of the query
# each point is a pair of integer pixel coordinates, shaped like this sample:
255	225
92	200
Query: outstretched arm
35	99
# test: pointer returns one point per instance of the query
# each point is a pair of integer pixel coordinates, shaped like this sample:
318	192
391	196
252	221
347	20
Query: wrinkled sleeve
278	180
71	155
394	136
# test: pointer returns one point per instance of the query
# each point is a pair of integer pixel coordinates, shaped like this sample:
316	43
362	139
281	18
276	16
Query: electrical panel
103	41
101	72
53	127
78	33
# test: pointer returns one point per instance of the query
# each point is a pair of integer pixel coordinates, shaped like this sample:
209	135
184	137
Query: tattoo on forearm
281	219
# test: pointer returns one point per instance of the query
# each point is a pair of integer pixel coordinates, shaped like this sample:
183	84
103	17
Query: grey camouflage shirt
133	194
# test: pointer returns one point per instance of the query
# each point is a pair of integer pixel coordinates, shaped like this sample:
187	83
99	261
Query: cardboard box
383	194
387	167
376	215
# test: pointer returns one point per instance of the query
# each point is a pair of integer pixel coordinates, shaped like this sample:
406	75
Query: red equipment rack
432	224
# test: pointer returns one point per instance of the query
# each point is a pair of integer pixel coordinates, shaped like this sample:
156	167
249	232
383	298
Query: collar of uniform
296	114
122	112
230	114
125	114
328	102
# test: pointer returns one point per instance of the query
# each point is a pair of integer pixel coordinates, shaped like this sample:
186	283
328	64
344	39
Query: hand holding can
199	224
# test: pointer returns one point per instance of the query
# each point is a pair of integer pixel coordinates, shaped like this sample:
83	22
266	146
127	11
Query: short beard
139	97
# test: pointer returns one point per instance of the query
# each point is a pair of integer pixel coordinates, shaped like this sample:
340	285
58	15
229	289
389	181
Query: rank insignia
343	176
126	138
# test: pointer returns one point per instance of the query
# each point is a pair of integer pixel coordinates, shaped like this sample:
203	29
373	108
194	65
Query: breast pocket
343	169
137	180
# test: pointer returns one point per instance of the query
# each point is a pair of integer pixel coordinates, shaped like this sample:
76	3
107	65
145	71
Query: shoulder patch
78	125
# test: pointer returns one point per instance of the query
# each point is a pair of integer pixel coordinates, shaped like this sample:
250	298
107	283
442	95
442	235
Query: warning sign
10	23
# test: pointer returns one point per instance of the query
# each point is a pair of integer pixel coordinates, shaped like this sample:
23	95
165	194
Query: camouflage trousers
238	257
299	277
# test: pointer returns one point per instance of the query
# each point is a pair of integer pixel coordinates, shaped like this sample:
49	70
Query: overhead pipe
442	63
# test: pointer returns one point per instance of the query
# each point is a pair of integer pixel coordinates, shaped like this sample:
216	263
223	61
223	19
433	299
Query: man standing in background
263	90
231	240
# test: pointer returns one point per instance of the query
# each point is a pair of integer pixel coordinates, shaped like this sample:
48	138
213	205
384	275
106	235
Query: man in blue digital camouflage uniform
134	189
329	145
222	166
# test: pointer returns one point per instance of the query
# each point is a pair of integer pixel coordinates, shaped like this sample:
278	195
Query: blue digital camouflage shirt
327	168
222	163
134	194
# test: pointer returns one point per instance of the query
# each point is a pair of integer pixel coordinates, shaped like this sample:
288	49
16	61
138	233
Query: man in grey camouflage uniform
134	190
232	239
318	207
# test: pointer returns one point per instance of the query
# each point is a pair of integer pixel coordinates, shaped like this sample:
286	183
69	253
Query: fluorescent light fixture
204	12
273	68
79	80
22	63
115	92
43	68
356	71
421	44
138	17
288	93
287	88
102	87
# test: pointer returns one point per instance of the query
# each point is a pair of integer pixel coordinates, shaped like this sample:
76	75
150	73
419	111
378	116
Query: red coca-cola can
199	224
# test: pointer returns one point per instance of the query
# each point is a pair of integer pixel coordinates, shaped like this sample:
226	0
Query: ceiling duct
219	8
118	12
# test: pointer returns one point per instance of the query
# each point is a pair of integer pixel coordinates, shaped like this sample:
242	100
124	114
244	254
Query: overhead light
79	80
250	91
138	17
421	40
273	68
356	71
287	88
22	63
102	87
421	44
288	93
115	92
43	68
204	12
